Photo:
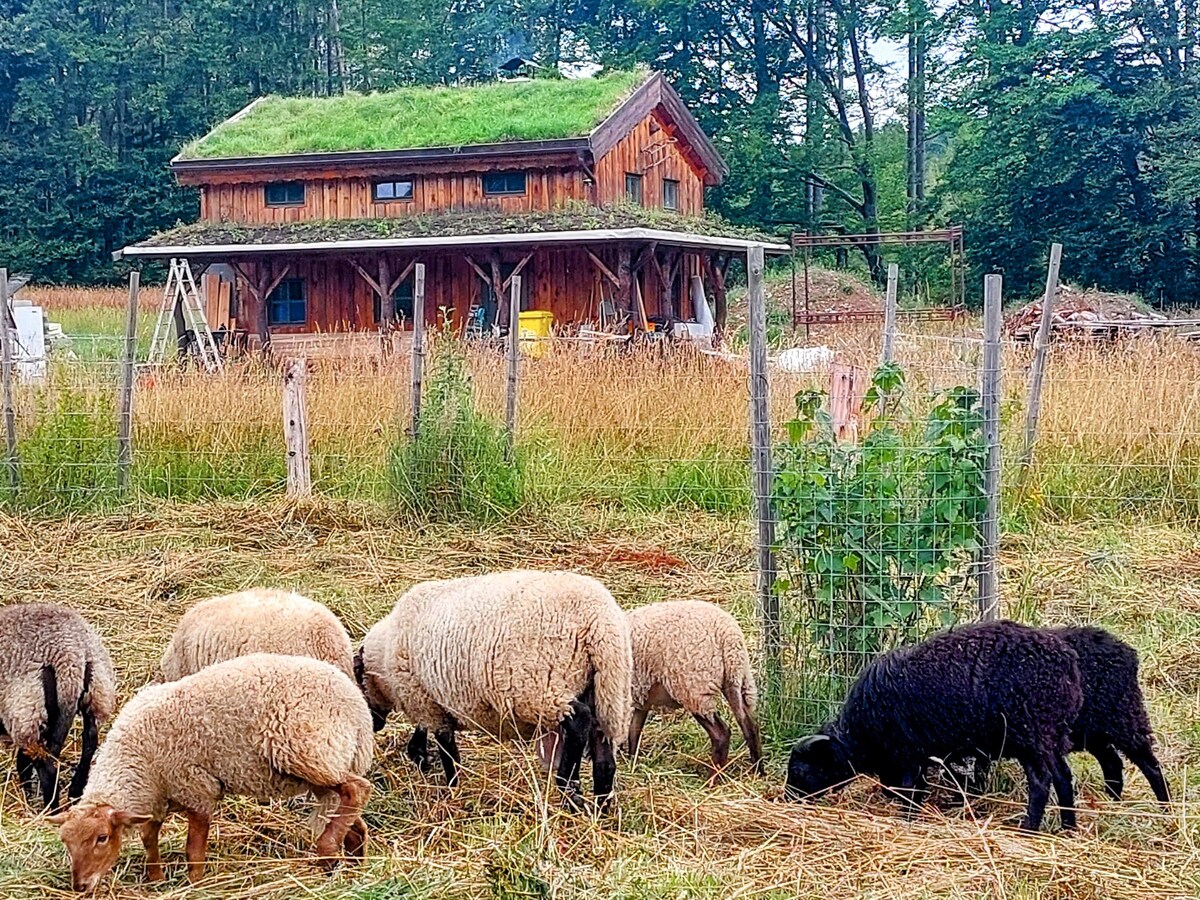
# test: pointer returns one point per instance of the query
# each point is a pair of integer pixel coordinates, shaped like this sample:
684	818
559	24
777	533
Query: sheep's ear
811	741
121	819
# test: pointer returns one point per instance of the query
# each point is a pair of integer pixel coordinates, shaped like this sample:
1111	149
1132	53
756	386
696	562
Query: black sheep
994	689
1113	716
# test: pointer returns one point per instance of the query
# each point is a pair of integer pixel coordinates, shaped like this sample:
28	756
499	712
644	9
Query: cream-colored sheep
52	664
261	726
687	654
516	654
263	620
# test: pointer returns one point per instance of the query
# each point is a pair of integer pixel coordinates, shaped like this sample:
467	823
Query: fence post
125	409
295	430
514	337
989	596
760	436
418	343
1041	345
6	376
889	313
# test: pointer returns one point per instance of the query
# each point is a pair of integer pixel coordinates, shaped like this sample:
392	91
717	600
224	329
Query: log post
1041	346
514	338
295	430
387	304
262	290
989	596
125	408
418	343
502	310
6	377
625	293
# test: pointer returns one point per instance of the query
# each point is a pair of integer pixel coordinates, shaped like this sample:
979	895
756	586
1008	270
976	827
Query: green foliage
459	466
876	538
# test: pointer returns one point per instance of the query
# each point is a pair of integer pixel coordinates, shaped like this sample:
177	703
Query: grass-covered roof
419	118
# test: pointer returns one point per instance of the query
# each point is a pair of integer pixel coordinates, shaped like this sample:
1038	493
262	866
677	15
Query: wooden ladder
181	292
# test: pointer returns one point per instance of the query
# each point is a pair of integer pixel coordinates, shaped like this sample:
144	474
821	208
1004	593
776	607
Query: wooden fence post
889	313
1041	345
418	344
125	409
760	436
514	337
295	430
6	376
989	596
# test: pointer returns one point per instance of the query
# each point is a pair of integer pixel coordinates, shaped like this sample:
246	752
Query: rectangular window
285	193
288	303
633	188
501	183
387	191
402	301
670	194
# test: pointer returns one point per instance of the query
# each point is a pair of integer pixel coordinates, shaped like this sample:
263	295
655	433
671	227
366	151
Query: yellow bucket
534	331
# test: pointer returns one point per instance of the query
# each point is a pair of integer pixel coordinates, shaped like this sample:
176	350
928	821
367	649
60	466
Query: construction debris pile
1084	313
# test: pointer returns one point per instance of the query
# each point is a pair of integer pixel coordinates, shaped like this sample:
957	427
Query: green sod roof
419	118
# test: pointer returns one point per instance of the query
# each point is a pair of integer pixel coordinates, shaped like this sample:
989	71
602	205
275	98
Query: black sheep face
817	765
379	714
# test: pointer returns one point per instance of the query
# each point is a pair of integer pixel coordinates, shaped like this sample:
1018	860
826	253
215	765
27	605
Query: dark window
633	188
670	194
285	193
402	300
288	303
504	183
384	191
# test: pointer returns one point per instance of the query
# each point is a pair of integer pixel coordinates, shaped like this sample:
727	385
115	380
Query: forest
1026	121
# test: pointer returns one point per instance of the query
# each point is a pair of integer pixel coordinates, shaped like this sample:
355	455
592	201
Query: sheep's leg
352	798
576	732
718	734
448	753
91	739
197	844
748	725
355	842
636	724
150	832
604	767
1037	774
54	736
418	749
26	775
47	772
1064	787
1111	765
1143	757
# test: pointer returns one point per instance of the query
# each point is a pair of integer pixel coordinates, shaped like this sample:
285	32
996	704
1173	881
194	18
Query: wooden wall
651	151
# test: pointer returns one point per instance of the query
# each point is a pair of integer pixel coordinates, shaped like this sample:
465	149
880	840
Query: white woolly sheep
52	665
515	654
261	726
263	620
687	654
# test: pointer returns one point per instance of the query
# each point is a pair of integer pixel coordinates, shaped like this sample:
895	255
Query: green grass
420	117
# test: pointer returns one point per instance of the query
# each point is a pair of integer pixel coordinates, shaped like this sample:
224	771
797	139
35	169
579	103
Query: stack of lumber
1084	313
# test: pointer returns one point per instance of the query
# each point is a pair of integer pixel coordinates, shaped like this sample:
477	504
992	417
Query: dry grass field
635	471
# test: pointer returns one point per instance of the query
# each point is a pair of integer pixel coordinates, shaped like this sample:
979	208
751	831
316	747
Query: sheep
993	689
262	726
263	620
1113	716
515	654
687	653
52	665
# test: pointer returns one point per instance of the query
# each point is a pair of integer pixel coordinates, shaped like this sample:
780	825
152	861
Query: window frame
284	185
412	190
507	173
632	178
674	184
289	302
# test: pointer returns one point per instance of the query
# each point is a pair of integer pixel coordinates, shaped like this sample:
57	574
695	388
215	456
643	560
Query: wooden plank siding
652	151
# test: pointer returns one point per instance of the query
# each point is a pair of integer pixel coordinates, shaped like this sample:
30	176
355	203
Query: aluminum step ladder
181	291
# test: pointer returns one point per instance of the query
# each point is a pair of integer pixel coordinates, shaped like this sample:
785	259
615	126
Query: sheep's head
818	764
93	840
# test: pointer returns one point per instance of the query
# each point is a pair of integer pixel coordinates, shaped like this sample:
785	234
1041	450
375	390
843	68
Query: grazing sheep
686	654
515	654
994	689
263	620
261	726
52	665
1113	716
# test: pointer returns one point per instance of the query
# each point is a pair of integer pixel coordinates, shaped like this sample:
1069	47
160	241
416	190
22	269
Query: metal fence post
889	313
6	376
514	337
1041	345
125	408
760	436
418	343
989	596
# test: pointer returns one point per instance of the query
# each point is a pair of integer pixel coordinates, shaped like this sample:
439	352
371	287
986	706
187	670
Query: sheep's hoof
572	800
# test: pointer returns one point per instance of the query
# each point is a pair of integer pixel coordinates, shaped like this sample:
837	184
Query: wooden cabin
314	211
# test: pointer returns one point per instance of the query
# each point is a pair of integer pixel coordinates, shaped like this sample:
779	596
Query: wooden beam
399	279
478	270
387	309
374	285
605	270
517	271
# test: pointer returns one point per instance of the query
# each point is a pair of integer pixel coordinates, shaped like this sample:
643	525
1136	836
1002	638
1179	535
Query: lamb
261	726
52	665
686	654
1113	716
515	654
263	620
993	689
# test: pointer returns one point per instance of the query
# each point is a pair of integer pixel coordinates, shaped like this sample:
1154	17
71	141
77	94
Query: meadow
633	469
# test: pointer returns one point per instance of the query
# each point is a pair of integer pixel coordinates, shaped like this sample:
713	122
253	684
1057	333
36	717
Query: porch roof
210	240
